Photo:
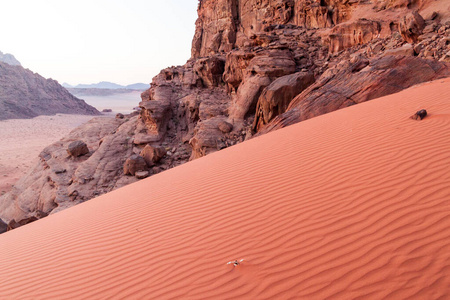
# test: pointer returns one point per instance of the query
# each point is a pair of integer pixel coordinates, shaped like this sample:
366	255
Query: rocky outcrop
226	24
277	96
61	180
24	94
357	81
350	34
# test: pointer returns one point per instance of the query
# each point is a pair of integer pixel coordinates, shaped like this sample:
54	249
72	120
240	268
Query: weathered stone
344	86
411	27
152	155
119	116
275	99
419	115
77	148
225	127
349	34
210	70
142	174
261	71
134	164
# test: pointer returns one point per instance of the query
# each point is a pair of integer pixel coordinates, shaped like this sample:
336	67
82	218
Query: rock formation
24	94
256	66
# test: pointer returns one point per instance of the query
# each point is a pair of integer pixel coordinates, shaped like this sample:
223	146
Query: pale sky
87	41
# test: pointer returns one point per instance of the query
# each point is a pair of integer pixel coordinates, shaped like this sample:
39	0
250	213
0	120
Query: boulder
225	127
152	155
411	26
419	115
77	148
134	164
142	174
119	116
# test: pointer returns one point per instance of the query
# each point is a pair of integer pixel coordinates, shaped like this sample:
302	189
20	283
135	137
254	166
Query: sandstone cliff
24	94
256	66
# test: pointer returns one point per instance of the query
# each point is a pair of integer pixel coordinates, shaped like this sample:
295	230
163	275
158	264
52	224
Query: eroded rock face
261	71
358	81
210	70
350	34
275	99
215	29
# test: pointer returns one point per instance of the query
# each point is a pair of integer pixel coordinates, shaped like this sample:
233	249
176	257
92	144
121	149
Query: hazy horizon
119	41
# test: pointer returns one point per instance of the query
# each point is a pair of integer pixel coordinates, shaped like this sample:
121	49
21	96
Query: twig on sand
235	262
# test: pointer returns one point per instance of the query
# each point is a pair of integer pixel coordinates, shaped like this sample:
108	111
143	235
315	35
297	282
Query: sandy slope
353	204
23	139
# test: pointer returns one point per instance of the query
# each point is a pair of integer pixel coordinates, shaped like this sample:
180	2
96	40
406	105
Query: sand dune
352	204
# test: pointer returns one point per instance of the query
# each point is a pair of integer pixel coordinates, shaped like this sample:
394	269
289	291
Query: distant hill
99	92
138	86
9	59
24	94
109	86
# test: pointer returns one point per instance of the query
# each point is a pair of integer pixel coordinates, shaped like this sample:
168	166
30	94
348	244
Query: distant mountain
109	86
67	86
24	94
99	92
9	59
138	86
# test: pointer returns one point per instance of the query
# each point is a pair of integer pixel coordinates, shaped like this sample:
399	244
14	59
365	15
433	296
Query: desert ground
119	103
353	204
23	140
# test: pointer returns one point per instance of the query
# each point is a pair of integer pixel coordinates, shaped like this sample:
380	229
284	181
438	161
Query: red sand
352	204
